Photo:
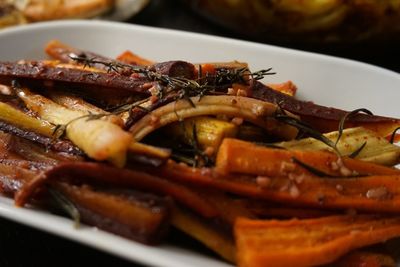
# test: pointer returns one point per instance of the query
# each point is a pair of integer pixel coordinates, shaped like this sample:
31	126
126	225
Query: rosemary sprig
393	136
358	150
307	129
346	117
66	205
312	169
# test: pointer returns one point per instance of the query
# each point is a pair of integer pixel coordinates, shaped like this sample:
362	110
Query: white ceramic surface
323	79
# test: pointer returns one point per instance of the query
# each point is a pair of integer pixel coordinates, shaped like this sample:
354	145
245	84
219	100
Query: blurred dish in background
306	21
15	12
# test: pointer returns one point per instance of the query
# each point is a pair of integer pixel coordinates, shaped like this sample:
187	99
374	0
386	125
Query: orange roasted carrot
236	156
372	193
288	87
322	118
133	59
133	179
264	210
139	216
209	235
308	242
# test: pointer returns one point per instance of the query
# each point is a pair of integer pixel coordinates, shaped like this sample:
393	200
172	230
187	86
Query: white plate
326	80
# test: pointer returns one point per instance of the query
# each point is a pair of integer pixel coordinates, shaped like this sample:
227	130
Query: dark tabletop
24	246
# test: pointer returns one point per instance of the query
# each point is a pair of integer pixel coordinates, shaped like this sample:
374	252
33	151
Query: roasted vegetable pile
135	147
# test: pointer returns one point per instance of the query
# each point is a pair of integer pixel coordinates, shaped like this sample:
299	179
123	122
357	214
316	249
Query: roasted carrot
236	156
65	53
137	180
210	236
133	59
372	193
324	119
138	216
264	210
229	208
308	242
288	87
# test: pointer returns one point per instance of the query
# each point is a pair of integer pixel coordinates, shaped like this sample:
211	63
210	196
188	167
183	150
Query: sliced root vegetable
324	119
222	65
137	180
229	207
236	156
209	131
141	153
257	112
376	148
131	58
138	216
50	143
266	209
288	87
66	53
44	74
210	236
378	193
309	242
18	123
11	115
78	104
174	68
49	153
99	139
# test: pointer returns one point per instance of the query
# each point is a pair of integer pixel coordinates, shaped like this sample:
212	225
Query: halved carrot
378	193
308	242
133	59
102	173
236	156
200	230
138	216
288	87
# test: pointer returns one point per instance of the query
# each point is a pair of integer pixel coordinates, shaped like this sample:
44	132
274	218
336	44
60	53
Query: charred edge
50	143
41	74
306	108
150	235
177	68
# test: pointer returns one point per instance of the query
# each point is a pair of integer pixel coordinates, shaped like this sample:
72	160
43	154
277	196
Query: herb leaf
66	205
347	116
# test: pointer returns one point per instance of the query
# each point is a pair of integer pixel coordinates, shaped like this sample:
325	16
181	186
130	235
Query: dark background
24	246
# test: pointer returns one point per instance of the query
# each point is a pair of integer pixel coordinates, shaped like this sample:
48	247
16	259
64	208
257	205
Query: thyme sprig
184	86
60	129
178	87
